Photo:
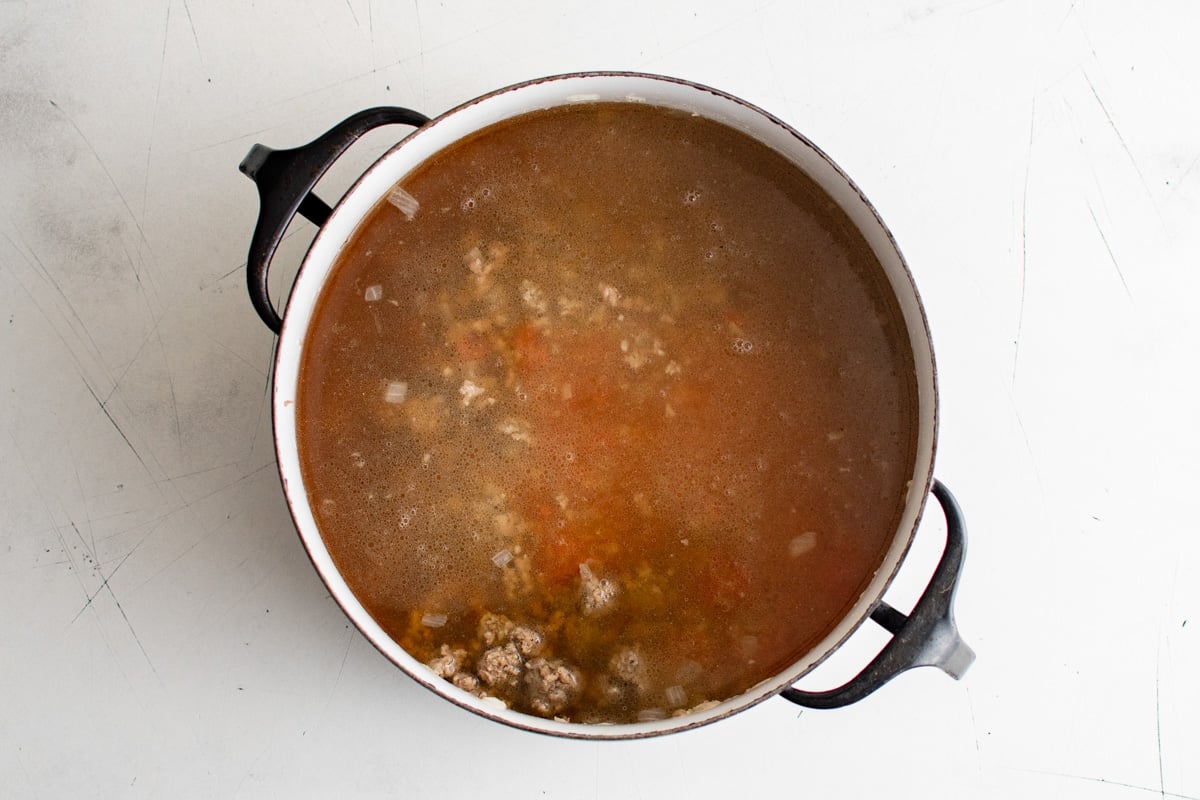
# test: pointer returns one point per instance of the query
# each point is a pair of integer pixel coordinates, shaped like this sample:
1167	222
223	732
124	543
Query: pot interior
452	127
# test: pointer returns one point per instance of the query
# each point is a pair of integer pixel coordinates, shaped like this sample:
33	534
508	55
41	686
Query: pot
285	179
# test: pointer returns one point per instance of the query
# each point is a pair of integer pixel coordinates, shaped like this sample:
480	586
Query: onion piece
396	392
469	391
431	620
802	544
404	201
374	292
502	558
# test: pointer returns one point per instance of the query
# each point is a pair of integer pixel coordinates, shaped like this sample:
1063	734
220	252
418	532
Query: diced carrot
728	582
530	347
472	347
560	552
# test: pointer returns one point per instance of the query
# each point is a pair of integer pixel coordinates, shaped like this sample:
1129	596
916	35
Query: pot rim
339	229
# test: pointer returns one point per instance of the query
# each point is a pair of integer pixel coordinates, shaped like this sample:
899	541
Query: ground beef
500	667
447	662
494	629
466	681
551	685
527	640
596	594
628	667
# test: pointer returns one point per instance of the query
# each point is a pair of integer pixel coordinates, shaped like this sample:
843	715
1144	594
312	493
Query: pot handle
925	637
285	180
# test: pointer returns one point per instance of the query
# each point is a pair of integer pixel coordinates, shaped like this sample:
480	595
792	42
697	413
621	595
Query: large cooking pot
285	179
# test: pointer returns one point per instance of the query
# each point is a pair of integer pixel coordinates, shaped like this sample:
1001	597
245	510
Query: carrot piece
530	346
472	347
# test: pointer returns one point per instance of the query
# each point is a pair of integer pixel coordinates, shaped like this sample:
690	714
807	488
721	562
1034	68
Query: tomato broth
607	411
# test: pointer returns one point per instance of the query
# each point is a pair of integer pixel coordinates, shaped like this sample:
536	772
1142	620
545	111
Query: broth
608	412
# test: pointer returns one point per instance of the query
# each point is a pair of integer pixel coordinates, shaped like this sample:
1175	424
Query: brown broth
615	336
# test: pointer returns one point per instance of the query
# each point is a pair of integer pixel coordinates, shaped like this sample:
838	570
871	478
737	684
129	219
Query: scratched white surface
161	632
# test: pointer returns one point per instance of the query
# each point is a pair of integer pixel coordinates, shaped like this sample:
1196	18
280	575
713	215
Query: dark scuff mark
1108	247
195	38
132	449
1024	239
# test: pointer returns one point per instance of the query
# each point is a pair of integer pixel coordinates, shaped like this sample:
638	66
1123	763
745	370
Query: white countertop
162	633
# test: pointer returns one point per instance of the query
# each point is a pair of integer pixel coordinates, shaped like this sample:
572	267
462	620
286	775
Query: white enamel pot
285	178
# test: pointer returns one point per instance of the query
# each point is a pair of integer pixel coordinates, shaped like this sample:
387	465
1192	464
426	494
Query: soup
607	412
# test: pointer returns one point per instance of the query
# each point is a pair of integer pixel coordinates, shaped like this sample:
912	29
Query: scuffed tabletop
162	632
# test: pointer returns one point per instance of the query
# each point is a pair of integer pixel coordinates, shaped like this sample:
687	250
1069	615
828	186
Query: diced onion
651	714
431	620
802	544
502	558
404	201
374	292
469	392
676	696
688	671
396	392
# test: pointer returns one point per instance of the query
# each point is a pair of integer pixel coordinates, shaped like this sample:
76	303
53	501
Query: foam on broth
608	412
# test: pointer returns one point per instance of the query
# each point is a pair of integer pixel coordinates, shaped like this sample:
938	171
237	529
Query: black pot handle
285	180
925	637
